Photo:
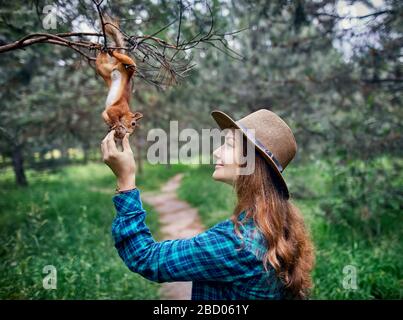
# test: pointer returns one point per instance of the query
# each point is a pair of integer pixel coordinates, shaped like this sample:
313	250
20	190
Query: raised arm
212	255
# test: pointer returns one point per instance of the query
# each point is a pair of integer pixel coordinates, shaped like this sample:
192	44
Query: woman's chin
217	175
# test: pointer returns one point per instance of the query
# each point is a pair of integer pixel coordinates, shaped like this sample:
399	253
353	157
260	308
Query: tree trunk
85	153
18	166
64	154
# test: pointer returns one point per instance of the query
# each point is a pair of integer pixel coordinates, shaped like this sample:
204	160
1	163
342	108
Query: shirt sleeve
216	254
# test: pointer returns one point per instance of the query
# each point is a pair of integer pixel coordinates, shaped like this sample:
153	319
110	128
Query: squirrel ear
137	115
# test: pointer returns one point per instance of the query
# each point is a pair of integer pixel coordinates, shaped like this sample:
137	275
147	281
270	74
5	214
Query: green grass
378	261
64	219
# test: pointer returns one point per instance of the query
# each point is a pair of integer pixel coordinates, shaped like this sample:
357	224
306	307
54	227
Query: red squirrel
117	70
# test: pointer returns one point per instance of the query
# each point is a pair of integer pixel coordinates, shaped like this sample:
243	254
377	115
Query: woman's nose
216	153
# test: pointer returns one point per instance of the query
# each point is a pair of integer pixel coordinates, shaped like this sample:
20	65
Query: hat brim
224	121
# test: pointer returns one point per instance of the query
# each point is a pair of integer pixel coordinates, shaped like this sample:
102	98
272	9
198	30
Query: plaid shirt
214	260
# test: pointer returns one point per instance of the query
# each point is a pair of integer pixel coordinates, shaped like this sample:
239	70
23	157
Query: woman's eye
230	142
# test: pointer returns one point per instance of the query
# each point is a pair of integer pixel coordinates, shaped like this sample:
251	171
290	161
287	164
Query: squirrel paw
120	130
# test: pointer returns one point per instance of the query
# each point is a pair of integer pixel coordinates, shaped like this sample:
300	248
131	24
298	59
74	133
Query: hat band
262	146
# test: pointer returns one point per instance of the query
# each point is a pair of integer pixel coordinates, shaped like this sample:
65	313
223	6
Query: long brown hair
290	250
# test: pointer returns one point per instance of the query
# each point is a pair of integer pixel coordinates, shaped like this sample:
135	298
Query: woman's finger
104	149
111	143
126	143
104	145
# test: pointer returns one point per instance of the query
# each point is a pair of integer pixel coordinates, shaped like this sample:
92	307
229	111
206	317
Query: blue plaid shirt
217	262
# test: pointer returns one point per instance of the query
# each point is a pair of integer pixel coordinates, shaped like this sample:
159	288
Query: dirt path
178	220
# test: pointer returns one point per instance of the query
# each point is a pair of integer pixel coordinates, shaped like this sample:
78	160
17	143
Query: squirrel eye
133	123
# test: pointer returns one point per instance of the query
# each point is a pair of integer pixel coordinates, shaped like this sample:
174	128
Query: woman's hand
121	162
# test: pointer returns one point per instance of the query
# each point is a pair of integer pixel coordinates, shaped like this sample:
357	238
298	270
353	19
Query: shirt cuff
128	202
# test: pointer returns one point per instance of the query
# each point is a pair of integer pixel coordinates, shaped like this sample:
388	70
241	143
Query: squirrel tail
112	30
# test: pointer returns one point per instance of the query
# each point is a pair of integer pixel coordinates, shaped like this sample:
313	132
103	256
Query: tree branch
46	37
98	6
156	58
374	14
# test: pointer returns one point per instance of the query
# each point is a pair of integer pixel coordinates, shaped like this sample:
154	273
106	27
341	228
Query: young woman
262	251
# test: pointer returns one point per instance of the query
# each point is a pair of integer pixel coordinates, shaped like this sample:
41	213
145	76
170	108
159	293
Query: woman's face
227	158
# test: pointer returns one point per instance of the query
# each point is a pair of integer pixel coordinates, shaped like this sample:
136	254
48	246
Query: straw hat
273	138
